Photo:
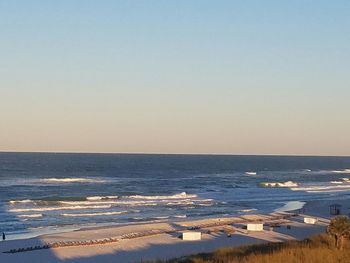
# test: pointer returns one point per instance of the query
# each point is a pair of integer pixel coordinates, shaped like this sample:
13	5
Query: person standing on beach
3	236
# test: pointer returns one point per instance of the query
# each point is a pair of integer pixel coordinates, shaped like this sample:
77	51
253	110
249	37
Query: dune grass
317	249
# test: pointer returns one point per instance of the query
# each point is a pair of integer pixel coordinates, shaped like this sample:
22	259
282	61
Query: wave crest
323	188
344	171
71	180
97	198
95	214
18	210
279	184
26	201
251	173
156	197
31	216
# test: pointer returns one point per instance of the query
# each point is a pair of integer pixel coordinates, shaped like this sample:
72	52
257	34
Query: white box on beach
255	227
191	236
310	220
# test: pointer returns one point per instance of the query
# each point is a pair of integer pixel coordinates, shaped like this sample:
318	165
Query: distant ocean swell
71	180
53	181
106	180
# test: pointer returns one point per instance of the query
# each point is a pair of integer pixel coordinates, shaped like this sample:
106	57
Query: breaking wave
156	197
279	184
71	180
180	216
95	214
323	188
121	202
19	210
250	173
46	205
345	171
247	210
160	217
95	198
53	200
21	201
31	216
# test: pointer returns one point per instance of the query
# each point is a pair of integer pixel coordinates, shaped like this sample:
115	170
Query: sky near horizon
233	77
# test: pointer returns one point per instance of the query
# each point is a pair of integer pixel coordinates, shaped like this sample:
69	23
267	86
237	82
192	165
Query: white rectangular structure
255	227
191	236
310	220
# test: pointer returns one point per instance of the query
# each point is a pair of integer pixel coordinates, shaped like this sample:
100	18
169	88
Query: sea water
46	192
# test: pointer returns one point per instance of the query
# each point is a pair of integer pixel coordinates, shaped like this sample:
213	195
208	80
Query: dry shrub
319	248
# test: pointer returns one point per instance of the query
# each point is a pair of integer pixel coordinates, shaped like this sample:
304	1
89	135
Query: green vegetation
339	228
317	249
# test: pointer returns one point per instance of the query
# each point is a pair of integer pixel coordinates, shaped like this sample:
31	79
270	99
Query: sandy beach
160	240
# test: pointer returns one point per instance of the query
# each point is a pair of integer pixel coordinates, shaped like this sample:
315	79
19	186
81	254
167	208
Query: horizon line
179	153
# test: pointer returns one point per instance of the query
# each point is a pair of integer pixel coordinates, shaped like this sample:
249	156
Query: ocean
47	192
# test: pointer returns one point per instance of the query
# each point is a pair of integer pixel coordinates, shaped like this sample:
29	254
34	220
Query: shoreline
288	206
130	243
162	227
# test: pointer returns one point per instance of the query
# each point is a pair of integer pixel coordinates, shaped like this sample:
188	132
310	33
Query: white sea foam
156	197
336	182
328	191
71	180
248	210
180	216
184	202
134	200
138	218
19	210
96	203
152	203
95	198
26	201
161	217
87	202
95	214
119	202
250	173
323	188
345	171
280	184
205	204
49	202
31	216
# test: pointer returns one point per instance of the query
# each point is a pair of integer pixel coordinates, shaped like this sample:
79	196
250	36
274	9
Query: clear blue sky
240	77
